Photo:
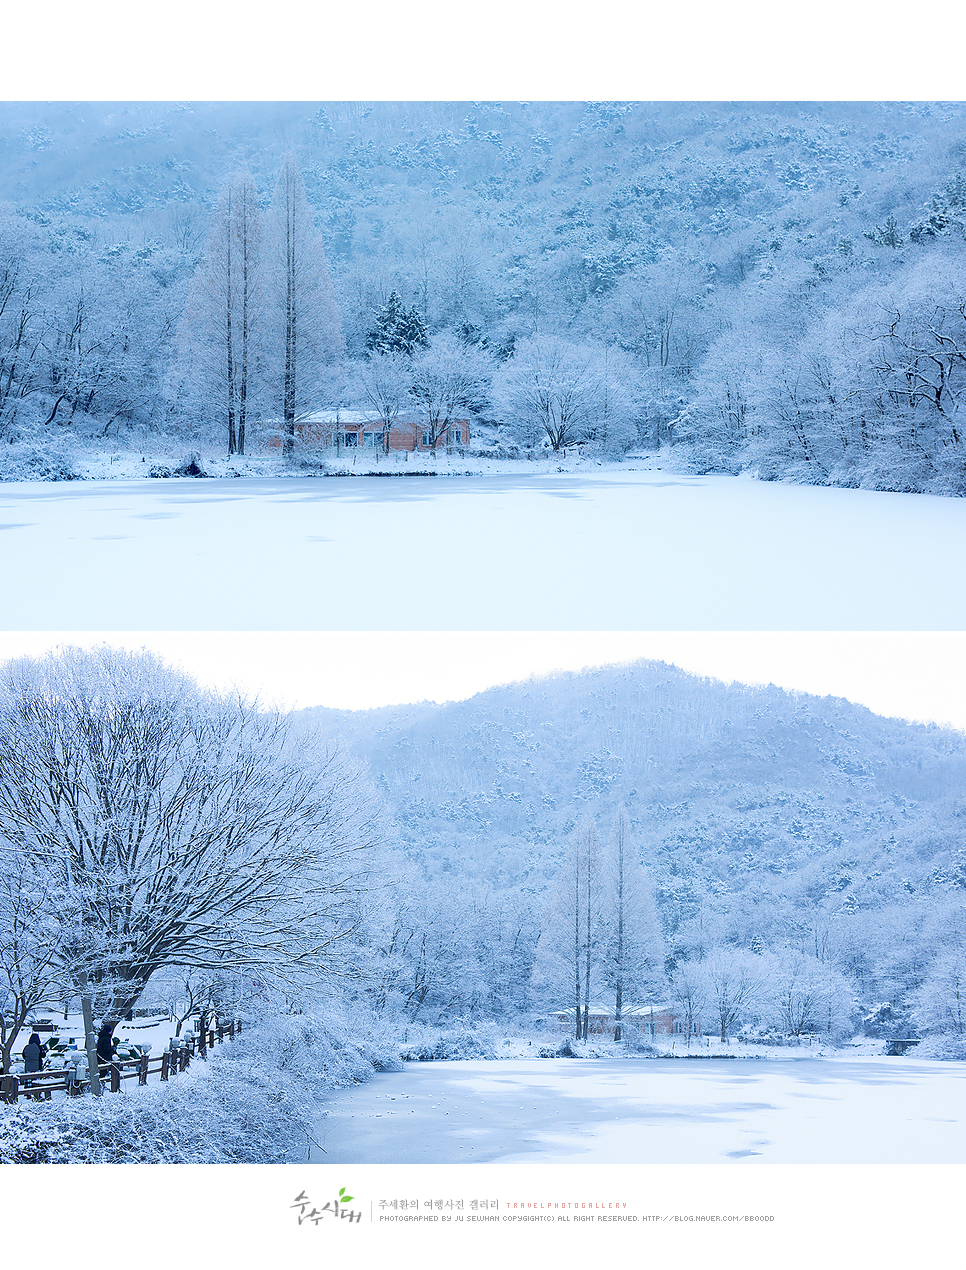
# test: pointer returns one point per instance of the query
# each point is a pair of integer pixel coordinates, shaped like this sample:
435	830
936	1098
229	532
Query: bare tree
29	963
176	828
689	994
307	335
941	1001
567	950
734	982
568	392
217	337
632	950
23	322
807	995
383	383
448	378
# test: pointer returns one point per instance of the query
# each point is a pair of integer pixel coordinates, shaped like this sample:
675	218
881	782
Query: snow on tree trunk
632	950
305	343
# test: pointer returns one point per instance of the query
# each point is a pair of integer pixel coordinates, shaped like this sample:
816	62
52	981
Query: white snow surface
615	549
848	1110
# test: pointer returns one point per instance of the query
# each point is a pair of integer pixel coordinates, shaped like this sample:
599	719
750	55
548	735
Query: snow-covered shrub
38	460
886	1021
253	1102
424	1043
599	1048
753	1035
700	459
948	1048
221	1112
191	465
311	463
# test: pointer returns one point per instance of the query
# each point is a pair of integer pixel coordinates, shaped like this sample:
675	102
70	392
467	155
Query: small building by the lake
361	430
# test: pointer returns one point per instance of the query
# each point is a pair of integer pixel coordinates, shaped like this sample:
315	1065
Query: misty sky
914	675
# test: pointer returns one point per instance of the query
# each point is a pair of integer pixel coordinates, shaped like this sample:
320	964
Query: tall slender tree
248	235
307	336
567	950
632	950
218	335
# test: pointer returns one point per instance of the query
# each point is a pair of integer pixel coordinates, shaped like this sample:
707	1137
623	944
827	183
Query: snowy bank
253	1102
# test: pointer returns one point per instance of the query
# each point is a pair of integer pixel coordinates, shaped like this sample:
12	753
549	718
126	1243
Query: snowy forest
801	847
770	288
427	878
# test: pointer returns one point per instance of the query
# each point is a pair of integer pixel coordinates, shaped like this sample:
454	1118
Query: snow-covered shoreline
126	465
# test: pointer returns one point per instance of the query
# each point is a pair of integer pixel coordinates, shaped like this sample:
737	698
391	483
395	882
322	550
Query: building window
369	438
427	439
350	438
456	436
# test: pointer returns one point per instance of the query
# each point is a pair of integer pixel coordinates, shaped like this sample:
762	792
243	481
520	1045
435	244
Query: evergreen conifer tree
397	329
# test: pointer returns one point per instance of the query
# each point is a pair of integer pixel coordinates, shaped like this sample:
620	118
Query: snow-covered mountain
764	817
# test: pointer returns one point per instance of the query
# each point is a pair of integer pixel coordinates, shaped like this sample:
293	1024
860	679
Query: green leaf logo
344	1198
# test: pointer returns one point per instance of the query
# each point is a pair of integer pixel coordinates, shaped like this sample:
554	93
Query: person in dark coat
33	1054
106	1045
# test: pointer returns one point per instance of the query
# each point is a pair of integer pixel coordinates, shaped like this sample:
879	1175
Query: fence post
143	1070
211	1039
11	1089
165	1063
115	1078
221	1033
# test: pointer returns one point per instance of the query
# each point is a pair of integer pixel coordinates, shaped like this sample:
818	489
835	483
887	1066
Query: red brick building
356	429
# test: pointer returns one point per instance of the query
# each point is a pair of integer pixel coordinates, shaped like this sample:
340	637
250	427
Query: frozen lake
622	550
656	1111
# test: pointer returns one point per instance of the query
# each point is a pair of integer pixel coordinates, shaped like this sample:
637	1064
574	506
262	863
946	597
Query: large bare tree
566	392
176	827
383	382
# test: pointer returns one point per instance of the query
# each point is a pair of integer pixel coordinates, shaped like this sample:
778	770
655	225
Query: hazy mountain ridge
730	789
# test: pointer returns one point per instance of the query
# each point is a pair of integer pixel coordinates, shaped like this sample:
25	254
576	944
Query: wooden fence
43	1085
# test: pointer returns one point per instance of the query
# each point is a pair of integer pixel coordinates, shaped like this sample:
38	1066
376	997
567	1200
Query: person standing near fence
106	1046
33	1054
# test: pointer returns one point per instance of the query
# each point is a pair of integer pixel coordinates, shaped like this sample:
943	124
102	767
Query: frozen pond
622	550
657	1111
